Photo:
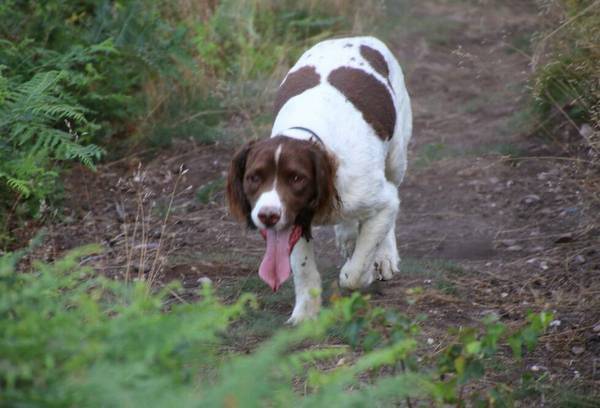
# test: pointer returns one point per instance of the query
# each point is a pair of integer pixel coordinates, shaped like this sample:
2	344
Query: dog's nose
269	216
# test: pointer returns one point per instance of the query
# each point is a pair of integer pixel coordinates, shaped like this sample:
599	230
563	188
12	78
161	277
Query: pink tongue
275	266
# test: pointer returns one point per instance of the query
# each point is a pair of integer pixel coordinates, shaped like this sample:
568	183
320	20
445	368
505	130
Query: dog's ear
327	199
239	206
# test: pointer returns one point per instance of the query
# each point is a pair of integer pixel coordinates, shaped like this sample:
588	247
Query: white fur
369	172
307	281
269	200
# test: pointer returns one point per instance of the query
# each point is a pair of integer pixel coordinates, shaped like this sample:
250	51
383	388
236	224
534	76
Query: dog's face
281	182
279	185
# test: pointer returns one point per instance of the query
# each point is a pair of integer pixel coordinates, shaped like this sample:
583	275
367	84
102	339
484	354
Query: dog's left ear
327	199
239	206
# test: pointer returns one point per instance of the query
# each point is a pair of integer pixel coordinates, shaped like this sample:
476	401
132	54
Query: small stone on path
531	199
205	280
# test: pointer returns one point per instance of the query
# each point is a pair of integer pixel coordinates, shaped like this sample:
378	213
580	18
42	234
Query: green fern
20	186
40	123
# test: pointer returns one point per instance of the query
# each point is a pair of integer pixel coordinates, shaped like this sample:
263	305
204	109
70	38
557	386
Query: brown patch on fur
375	59
260	170
370	96
239	206
295	83
315	196
327	201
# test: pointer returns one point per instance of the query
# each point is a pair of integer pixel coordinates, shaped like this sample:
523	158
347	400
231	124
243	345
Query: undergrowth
69	337
567	68
71	80
79	79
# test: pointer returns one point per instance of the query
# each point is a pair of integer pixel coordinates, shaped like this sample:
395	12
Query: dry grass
566	62
143	257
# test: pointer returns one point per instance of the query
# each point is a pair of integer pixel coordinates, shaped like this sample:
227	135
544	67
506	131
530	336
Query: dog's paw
295	320
386	265
355	278
305	309
298	318
385	269
386	262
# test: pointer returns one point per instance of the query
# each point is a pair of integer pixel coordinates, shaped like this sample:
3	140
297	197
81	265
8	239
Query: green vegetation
38	118
72	79
71	338
92	79
431	153
78	77
567	79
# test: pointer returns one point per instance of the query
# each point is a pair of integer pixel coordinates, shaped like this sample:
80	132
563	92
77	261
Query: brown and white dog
336	155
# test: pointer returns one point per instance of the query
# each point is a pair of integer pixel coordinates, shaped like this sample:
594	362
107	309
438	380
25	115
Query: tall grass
245	47
567	67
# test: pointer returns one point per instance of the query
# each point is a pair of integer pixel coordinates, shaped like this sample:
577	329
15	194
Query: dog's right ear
239	206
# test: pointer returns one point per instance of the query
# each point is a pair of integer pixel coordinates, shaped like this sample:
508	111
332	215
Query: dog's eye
296	178
253	178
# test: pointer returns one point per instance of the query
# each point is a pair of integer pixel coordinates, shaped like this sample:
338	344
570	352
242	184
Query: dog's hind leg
307	282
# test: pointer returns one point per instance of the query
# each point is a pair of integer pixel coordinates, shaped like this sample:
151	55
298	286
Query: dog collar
313	135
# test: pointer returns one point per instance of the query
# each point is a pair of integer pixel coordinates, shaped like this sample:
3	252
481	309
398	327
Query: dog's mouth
275	267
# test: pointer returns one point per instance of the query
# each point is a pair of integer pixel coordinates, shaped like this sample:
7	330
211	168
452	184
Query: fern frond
40	85
32	112
18	185
32	121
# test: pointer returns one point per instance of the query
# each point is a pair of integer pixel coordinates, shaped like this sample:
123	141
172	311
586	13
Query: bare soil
493	219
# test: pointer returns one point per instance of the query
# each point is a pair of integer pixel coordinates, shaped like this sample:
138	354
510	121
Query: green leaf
473	347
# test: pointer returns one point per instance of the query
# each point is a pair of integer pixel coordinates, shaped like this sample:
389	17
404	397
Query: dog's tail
396	160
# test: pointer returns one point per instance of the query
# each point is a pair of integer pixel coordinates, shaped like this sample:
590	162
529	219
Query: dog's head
279	185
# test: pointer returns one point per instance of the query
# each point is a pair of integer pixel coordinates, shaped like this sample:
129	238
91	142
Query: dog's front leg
307	282
357	272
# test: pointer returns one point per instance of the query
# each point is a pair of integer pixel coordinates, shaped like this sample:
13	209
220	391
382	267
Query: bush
567	77
76	75
71	338
248	38
71	78
42	124
110	50
245	47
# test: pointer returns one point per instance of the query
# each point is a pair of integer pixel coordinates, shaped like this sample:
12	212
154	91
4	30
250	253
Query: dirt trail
484	227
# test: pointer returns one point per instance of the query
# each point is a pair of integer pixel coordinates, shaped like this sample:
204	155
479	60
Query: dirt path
487	224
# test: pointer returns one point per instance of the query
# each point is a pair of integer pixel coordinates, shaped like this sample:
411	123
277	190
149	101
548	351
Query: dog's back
351	92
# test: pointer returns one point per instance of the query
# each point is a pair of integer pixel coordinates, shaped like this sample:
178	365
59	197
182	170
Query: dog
336	155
